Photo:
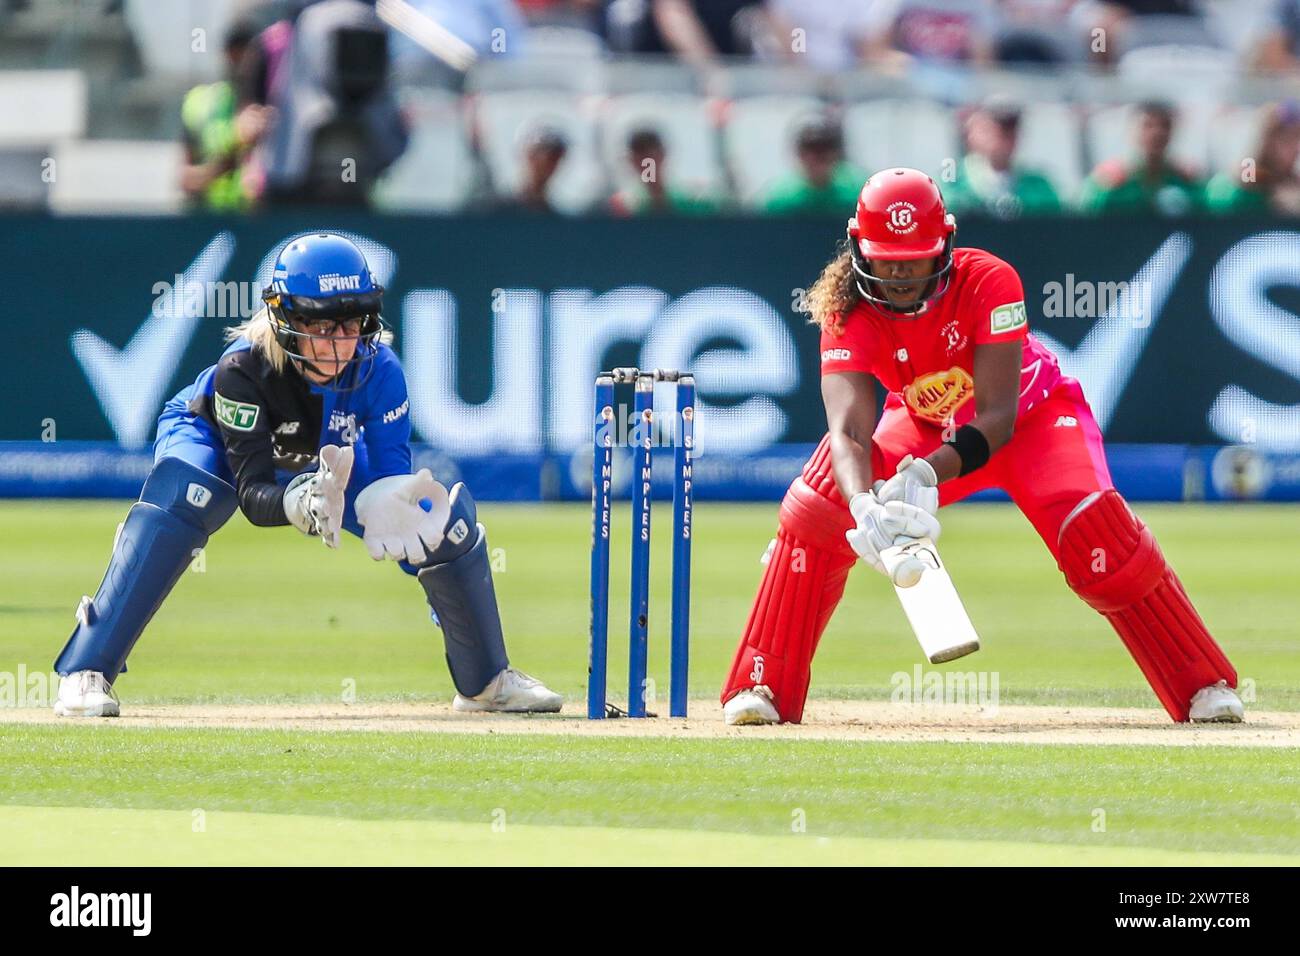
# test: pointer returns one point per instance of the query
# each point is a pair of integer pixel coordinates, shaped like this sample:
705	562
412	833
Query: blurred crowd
308	113
841	34
987	180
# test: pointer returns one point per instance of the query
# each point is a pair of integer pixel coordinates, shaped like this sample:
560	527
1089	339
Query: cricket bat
930	601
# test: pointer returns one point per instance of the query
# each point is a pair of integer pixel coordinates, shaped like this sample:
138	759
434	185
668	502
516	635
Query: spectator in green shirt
826	183
989	180
650	193
218	133
1152	184
1265	181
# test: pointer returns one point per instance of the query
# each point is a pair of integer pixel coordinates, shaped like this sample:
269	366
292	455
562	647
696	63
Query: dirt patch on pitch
824	720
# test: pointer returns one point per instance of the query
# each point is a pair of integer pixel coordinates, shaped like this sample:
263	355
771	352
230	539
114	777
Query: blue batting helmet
321	281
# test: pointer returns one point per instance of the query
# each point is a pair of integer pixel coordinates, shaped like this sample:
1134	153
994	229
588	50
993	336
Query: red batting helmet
901	216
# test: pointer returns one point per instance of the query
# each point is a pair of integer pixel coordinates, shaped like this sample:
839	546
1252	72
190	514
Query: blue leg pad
179	508
457	580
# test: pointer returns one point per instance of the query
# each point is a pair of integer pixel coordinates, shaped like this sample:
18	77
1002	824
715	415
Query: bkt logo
339	283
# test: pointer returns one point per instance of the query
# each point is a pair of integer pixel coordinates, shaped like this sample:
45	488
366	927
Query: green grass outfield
274	617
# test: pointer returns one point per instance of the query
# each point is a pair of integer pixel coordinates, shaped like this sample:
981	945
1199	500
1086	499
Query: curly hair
835	292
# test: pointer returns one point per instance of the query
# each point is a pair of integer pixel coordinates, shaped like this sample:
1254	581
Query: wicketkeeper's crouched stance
308	381
974	402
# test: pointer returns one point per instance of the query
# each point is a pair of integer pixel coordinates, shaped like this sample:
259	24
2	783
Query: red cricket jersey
928	362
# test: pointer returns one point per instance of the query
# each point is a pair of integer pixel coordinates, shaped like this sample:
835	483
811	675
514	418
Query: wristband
971	447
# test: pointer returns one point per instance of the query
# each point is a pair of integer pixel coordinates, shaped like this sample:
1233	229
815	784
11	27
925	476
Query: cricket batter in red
973	401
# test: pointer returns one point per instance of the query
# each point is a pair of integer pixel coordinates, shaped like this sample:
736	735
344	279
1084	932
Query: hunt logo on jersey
1005	318
937	396
394	414
902	217
235	415
333	282
836	355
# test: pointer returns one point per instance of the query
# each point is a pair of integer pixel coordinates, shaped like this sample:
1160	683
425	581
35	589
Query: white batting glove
314	502
915	483
881	526
395	525
870	537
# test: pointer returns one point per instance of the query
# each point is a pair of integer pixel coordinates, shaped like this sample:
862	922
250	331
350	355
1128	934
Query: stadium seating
1109	132
757	141
504	119
436	172
1236	134
894	132
108	176
41	107
686	124
1051	143
122	68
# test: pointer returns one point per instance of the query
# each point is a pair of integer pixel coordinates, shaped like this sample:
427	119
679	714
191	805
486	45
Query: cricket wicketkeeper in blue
303	421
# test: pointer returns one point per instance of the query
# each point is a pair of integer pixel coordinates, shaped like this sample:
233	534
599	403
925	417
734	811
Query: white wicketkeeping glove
395	525
914	483
314	502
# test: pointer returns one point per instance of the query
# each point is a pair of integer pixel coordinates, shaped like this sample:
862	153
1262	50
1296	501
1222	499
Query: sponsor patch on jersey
345	425
1008	317
936	396
394	414
333	282
836	355
236	415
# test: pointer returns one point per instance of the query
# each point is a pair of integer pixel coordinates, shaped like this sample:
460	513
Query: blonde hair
834	294
259	329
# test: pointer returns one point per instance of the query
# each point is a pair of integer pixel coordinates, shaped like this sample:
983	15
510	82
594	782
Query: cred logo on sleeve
836	355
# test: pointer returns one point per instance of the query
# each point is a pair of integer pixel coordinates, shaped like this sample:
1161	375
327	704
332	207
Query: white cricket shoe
753	706
511	692
86	694
1217	703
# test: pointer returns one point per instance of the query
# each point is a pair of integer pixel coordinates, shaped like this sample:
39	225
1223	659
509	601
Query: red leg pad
1112	561
801	587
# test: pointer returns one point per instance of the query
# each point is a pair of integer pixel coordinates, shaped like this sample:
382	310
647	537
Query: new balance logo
1066	421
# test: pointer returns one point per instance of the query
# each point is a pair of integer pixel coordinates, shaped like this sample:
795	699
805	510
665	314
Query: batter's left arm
997	396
